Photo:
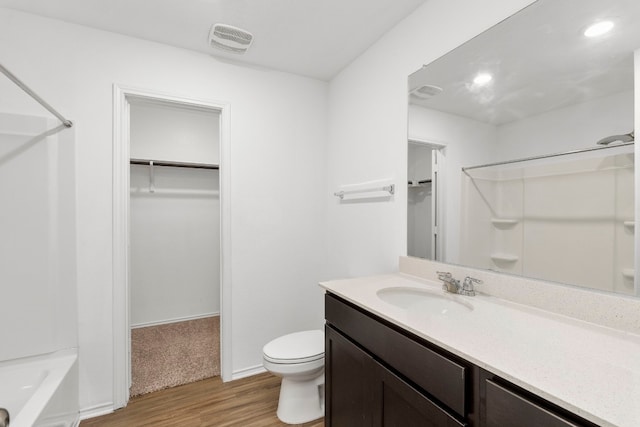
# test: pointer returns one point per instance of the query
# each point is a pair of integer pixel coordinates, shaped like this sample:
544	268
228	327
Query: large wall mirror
521	147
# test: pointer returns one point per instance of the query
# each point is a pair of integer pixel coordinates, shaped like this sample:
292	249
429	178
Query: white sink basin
425	301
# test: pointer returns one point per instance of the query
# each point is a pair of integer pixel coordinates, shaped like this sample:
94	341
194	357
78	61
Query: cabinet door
505	408
400	405
442	377
349	374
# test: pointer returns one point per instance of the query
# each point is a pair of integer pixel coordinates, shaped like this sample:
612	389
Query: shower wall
37	248
568	219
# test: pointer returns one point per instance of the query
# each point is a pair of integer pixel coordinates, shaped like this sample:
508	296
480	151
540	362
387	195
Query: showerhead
627	137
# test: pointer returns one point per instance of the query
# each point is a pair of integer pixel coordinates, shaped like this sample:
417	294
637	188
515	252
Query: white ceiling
540	61
315	38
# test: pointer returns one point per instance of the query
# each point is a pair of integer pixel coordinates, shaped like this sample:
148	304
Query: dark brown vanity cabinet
349	397
378	375
362	392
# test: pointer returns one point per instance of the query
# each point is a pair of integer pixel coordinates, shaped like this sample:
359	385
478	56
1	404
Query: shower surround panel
37	248
568	220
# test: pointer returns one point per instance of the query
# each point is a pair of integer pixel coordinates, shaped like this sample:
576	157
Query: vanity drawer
433	372
505	408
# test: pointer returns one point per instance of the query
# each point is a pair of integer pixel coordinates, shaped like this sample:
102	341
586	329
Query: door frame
121	212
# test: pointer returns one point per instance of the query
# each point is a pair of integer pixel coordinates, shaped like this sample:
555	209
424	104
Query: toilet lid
298	347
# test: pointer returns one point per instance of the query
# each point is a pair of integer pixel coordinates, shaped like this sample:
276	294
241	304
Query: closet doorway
170	152
425	167
174	238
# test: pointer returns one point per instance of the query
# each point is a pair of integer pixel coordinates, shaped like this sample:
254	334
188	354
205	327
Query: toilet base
301	401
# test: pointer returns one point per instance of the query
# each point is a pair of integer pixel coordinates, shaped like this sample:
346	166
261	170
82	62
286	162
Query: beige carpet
174	354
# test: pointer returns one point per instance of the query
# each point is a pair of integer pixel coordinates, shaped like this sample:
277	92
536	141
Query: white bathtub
41	391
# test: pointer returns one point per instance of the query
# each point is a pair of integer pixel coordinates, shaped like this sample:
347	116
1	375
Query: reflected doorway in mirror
424	198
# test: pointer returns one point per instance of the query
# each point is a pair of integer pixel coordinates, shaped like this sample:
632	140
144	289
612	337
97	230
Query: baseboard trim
247	372
96	411
107	408
174	320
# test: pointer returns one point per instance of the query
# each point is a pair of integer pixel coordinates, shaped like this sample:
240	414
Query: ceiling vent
426	91
230	39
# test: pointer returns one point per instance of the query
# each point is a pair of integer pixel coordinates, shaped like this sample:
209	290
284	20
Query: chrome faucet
449	284
452	285
468	286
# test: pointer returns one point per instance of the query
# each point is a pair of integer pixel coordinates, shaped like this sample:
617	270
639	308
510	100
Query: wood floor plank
249	402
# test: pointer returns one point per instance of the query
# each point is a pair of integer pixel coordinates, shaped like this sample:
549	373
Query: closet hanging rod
31	93
174	164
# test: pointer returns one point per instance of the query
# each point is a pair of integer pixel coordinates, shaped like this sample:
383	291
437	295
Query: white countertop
590	370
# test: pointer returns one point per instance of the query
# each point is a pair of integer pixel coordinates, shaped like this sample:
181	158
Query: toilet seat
298	347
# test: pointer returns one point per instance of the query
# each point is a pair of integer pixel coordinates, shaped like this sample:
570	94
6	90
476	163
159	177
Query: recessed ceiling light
598	29
482	79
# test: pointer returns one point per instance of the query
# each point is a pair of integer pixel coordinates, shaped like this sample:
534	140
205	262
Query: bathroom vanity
401	352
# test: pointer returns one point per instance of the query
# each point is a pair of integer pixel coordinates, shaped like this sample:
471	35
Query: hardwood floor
249	402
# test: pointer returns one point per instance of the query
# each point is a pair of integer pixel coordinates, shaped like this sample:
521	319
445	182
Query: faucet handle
449	284
442	275
468	286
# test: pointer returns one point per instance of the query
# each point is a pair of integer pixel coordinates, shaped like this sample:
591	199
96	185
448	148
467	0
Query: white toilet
299	359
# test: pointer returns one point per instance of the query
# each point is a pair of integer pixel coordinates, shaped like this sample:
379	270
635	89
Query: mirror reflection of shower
627	137
565	218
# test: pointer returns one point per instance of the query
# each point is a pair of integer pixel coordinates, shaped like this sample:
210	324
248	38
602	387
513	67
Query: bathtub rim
57	365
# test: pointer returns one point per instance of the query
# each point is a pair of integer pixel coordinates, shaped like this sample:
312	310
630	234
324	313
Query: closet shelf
628	273
420	183
501	257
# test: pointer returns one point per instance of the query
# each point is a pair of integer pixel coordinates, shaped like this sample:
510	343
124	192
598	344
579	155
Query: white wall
368	127
571	128
278	129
